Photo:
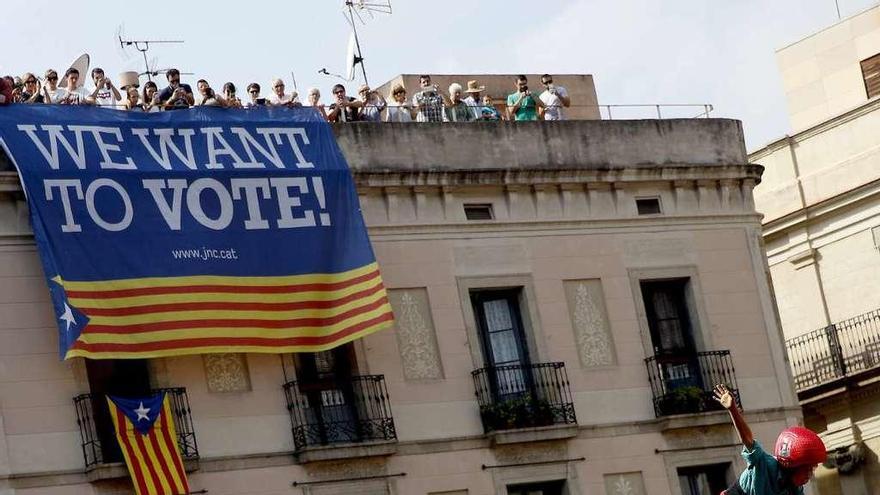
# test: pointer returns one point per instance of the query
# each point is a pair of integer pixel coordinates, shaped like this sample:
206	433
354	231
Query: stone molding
416	334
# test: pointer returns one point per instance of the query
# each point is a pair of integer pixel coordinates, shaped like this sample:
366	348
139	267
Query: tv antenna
142	46
356	8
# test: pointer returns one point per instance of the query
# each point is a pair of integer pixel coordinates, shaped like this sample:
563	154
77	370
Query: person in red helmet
798	451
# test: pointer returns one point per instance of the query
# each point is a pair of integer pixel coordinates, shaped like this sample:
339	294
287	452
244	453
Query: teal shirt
763	475
528	109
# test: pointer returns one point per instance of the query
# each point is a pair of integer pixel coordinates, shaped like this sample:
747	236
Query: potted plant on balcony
683	400
519	412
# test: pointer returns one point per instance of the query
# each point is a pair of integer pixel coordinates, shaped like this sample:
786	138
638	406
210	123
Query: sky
720	52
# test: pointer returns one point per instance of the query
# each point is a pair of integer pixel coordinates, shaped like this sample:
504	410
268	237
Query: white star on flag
142	411
67	316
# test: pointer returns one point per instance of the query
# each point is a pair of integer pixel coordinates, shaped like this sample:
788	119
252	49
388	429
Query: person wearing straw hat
474	99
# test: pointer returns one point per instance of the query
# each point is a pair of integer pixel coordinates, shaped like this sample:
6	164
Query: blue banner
206	230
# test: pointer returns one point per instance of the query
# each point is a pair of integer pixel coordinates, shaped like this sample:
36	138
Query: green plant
520	412
684	400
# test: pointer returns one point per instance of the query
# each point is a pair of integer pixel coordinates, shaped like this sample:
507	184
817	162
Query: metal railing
357	409
99	445
523	396
683	383
842	349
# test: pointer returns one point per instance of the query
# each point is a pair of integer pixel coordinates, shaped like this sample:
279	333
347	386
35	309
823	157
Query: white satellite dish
350	57
81	64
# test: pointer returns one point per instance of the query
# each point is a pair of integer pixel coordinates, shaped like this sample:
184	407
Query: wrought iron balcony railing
846	348
99	444
354	410
683	383
523	396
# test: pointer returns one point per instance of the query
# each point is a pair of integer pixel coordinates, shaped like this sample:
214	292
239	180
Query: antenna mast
354	7
142	46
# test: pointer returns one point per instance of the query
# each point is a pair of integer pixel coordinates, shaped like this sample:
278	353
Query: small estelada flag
146	434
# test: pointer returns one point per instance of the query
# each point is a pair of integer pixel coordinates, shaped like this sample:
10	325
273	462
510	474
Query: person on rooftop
458	110
133	100
31	92
73	92
399	110
207	96
279	97
51	91
373	104
253	91
232	101
474	98
488	110
5	90
176	95
344	108
314	100
151	100
555	98
105	93
522	105
429	101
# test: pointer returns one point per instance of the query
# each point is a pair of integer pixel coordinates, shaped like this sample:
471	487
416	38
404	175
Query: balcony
825	358
523	396
682	383
99	444
352	411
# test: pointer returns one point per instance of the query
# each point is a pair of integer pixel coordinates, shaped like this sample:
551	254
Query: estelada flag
146	434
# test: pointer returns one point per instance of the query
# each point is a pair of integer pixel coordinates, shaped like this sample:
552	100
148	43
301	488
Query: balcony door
503	342
325	379
671	332
117	377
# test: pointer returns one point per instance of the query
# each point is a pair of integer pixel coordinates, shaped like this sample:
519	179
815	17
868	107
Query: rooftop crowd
428	104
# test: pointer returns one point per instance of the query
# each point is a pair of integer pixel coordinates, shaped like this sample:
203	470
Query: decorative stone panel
624	484
589	318
416	337
227	373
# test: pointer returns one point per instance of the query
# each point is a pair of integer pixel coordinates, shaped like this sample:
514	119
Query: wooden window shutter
871	74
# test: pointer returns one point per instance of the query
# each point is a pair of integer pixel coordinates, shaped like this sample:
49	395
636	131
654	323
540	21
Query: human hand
723	396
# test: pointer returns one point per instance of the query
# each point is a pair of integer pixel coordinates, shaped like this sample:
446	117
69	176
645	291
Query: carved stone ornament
591	329
416	338
624	484
227	373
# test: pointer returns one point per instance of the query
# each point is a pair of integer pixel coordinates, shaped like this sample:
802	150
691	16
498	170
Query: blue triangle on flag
71	321
142	412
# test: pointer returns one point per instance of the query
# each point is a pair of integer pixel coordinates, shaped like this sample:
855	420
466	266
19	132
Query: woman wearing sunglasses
31	92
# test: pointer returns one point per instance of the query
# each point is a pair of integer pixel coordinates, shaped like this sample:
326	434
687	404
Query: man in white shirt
555	98
73	92
105	93
279	97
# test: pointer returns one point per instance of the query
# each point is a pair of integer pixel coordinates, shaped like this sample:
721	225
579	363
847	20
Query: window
704	480
478	212
871	75
503	339
325	380
670	325
117	377
668	316
544	488
648	206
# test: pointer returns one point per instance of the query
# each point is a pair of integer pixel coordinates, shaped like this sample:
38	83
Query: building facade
564	301
820	196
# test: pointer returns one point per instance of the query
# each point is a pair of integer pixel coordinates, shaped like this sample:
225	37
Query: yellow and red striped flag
156	317
146	434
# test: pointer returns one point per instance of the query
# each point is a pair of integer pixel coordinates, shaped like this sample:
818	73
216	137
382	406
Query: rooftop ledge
595	145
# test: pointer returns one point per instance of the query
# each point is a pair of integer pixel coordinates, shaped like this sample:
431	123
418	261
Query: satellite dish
350	58
82	65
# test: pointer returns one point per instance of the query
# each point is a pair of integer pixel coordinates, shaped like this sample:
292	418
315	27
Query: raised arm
725	398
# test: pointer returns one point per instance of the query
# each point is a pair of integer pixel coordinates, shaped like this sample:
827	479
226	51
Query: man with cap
373	102
474	99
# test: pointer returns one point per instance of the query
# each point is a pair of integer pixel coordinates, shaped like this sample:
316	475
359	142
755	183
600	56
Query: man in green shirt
798	451
522	105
